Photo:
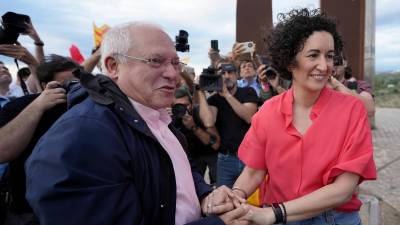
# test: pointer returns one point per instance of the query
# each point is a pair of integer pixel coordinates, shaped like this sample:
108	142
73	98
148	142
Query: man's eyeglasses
158	62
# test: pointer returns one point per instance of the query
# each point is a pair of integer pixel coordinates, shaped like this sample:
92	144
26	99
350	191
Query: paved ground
386	138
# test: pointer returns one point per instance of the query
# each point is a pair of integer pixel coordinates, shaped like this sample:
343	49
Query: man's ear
111	65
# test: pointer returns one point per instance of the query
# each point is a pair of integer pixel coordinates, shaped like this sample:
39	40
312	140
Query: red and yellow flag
98	33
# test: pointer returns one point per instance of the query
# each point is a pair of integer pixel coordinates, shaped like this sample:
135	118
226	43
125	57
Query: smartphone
214	45
249	47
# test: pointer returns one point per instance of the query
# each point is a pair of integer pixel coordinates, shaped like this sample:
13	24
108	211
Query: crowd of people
132	145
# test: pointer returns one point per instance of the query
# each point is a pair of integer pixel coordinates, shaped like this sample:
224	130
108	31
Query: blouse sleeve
357	153
252	149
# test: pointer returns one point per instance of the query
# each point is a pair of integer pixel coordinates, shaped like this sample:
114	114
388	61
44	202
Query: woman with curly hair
314	143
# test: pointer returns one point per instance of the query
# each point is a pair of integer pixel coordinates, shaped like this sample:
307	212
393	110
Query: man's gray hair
120	39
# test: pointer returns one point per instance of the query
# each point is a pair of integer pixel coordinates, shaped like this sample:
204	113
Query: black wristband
39	43
284	213
278	213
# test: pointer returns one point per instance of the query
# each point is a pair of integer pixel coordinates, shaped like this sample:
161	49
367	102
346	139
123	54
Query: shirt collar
246	82
150	114
287	103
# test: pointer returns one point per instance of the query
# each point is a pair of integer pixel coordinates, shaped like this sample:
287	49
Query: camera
248	51
12	24
249	47
68	85
178	111
181	41
210	80
352	85
270	72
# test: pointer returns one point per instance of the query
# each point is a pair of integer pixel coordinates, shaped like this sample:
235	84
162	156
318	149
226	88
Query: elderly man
112	158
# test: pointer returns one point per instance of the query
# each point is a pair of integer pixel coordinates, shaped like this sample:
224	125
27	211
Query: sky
64	22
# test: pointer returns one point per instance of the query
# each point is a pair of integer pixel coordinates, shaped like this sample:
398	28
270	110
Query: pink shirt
187	202
338	140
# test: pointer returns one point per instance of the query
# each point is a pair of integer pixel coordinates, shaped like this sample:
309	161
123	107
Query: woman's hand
261	216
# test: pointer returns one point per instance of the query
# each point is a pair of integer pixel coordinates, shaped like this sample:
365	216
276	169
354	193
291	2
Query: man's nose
171	71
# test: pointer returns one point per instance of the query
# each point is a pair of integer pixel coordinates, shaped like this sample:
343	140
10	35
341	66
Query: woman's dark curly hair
289	35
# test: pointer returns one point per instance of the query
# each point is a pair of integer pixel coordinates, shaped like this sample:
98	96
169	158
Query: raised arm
17	133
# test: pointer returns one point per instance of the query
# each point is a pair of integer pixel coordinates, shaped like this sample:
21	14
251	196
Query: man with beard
230	111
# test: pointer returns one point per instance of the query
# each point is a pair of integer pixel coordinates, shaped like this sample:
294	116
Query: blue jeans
229	168
331	217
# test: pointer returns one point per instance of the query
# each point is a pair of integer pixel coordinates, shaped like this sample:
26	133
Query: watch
213	139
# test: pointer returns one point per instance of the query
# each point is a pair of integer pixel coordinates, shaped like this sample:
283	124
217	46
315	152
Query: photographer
230	111
271	83
203	143
362	89
23	121
19	52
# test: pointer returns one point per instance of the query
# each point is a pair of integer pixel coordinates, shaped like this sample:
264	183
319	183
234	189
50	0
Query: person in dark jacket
113	158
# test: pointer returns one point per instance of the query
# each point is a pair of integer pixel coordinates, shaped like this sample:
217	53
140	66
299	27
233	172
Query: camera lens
178	110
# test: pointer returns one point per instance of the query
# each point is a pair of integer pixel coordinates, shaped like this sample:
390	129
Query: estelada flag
98	33
76	54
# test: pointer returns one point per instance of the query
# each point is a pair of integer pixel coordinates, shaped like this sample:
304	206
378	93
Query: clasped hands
230	205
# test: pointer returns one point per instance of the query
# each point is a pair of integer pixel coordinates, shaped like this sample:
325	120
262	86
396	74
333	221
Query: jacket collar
103	91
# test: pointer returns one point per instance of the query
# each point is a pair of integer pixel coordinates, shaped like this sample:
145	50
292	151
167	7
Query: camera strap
22	82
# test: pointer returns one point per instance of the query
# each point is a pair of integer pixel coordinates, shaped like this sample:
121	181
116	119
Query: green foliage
387	90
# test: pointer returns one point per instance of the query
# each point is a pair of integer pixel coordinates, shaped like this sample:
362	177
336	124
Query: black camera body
178	111
352	85
181	41
210	80
67	85
12	24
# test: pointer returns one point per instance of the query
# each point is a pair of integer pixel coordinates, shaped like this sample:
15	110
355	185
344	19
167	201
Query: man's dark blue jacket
100	164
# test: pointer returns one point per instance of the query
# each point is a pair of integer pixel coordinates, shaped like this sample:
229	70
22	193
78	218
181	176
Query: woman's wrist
242	193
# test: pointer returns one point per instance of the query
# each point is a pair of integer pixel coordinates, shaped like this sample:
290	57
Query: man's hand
18	52
262	73
333	83
237	50
225	93
188	121
31	32
236	216
218	201
51	96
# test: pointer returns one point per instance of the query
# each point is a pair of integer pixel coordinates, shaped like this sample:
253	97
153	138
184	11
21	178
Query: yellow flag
98	33
185	59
